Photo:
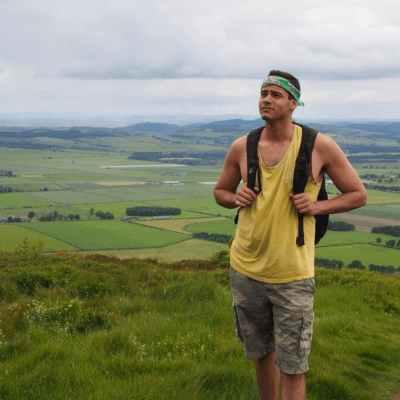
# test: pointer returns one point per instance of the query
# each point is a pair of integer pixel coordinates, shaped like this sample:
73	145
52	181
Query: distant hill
219	133
384	127
147	127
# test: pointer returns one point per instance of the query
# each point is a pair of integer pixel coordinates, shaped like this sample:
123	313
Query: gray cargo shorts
271	316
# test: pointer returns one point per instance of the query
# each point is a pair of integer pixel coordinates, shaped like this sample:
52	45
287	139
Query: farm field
100	235
367	254
19	200
225	226
13	235
192	249
181	225
383	210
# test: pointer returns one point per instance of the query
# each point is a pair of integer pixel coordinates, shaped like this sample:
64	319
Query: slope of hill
101	328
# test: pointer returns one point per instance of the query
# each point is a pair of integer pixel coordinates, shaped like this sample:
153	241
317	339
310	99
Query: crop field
377	197
225	226
367	254
192	249
13	235
18	200
180	225
383	210
100	235
134	193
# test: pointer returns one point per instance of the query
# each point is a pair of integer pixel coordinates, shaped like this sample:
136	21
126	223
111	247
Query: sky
183	57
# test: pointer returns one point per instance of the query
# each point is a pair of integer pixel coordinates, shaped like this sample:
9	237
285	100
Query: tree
391	244
31	214
356	264
340	226
378	240
91	212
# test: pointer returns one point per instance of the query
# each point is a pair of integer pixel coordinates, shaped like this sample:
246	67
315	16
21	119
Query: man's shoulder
323	141
240	143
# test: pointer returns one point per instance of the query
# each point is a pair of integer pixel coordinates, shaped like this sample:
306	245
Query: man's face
275	104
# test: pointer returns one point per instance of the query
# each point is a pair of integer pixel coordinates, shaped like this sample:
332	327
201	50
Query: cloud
157	39
208	57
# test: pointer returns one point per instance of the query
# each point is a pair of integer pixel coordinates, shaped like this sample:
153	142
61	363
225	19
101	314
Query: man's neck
278	131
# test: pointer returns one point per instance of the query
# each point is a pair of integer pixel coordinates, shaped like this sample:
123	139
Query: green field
12	235
19	200
385	210
226	227
367	254
106	235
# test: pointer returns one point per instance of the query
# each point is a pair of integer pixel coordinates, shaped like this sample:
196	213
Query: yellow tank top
265	247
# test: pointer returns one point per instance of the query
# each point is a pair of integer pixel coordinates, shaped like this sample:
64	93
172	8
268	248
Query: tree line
382	188
356	264
340	226
212	237
388	230
143	211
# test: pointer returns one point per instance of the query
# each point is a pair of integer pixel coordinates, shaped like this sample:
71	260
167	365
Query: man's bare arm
338	168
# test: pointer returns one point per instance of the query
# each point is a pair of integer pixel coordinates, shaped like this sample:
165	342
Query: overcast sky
208	57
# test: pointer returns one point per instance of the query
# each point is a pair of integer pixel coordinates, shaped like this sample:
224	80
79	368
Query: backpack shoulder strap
252	160
303	161
252	157
302	171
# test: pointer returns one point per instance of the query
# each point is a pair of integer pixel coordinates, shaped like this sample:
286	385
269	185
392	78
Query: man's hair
294	81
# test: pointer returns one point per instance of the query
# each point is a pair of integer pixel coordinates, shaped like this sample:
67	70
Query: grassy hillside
92	327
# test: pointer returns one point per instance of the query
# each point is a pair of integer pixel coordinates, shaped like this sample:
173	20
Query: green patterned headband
284	84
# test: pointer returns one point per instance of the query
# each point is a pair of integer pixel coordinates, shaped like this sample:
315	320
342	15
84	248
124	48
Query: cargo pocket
237	326
306	335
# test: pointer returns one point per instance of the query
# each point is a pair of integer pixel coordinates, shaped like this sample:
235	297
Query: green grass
99	235
13	235
19	200
101	328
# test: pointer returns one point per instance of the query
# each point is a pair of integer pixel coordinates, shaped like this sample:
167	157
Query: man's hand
302	203
245	196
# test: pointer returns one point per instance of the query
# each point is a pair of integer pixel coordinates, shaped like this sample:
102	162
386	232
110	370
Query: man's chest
272	154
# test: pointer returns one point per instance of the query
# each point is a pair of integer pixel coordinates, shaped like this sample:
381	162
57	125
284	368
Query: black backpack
301	174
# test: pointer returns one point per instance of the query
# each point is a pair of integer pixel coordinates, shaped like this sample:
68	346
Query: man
272	278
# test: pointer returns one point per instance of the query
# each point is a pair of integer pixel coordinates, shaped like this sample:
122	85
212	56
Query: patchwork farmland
69	186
